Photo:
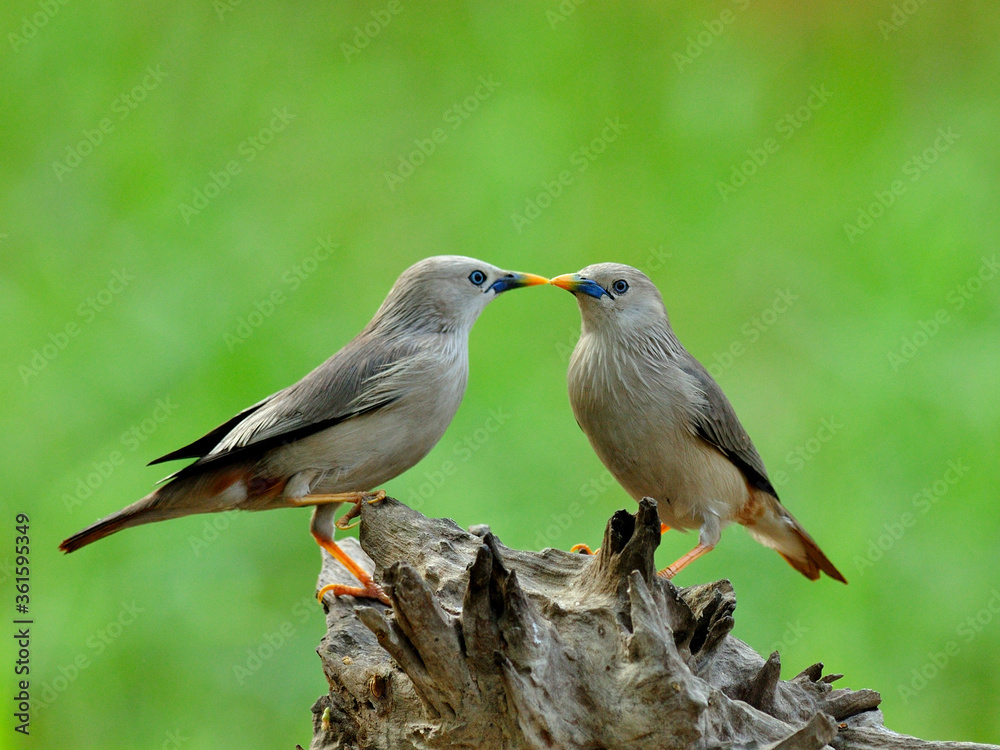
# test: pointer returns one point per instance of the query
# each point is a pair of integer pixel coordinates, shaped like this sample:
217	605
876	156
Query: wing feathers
716	423
363	377
204	444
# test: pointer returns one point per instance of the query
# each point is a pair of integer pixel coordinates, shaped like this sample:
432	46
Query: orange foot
368	588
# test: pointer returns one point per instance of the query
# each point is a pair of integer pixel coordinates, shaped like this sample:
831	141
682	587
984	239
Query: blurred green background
169	170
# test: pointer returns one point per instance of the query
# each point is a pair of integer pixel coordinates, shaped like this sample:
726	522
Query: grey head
444	293
614	298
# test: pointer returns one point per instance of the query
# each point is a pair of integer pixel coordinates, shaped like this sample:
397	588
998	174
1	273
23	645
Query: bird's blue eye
477	278
620	286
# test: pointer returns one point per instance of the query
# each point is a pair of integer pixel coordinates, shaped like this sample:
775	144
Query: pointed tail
777	528
142	511
205	493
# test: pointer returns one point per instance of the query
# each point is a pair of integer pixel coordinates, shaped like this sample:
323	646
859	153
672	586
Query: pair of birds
653	414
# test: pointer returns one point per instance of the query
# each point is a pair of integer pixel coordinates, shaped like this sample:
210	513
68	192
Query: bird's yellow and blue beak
515	280
576	284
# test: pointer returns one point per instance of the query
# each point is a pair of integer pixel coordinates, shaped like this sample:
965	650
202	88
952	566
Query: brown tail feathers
814	560
207	492
778	529
136	514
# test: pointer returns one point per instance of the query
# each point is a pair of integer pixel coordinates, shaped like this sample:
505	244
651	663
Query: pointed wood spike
813	672
630	543
479	628
815	735
761	690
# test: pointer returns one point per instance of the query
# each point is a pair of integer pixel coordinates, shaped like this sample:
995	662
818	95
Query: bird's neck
618	368
417	319
654	341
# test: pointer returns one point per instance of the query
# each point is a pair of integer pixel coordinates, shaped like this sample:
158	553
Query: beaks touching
516	280
574	283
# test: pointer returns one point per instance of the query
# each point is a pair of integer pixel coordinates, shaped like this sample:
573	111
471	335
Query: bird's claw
370	590
372	498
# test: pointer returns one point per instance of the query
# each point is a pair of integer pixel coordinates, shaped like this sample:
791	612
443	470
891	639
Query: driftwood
489	647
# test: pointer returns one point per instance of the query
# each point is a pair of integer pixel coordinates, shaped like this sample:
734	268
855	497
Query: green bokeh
650	198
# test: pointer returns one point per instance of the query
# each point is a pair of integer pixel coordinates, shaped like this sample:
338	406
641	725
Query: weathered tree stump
489	647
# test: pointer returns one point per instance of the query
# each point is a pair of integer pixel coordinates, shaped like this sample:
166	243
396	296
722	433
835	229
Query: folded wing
716	423
364	376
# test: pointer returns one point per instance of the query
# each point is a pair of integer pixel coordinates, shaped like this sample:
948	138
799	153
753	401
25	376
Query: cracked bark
490	647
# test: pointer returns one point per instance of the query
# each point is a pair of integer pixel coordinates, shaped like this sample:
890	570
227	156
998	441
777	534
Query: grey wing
716	423
356	380
204	444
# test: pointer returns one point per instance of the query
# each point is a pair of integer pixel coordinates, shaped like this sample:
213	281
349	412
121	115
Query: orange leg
671	570
339	497
368	589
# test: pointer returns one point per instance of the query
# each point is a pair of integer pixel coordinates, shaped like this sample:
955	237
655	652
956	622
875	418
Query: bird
364	416
663	427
